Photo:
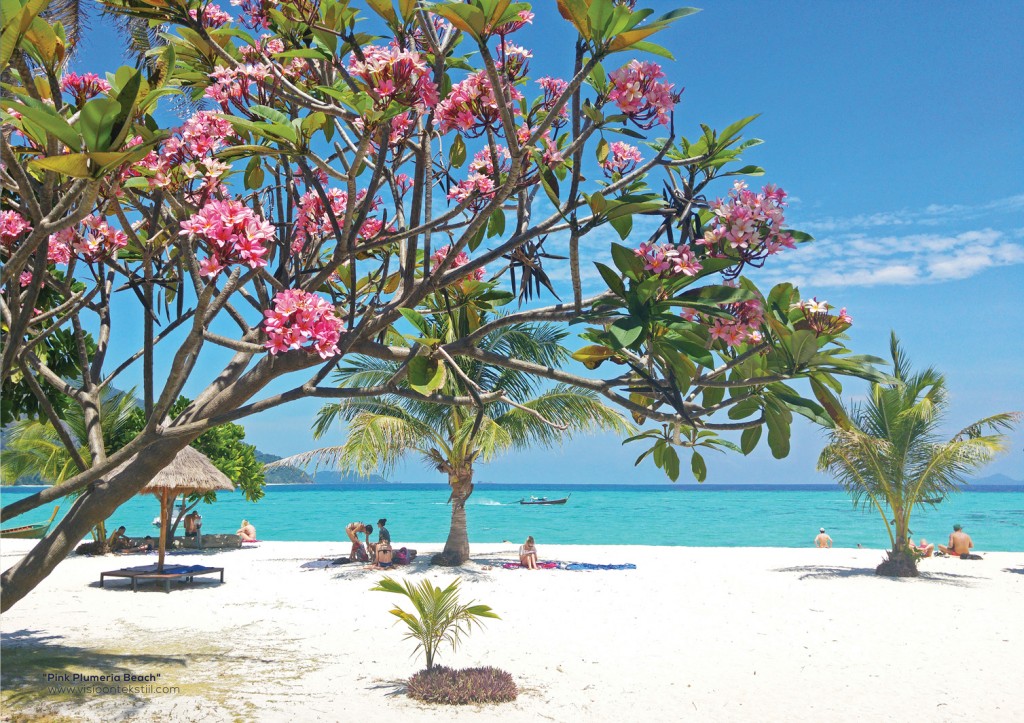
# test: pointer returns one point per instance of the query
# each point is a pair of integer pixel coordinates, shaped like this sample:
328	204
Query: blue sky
896	128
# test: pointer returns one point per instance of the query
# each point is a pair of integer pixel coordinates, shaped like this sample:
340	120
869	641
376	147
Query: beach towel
592	566
540	565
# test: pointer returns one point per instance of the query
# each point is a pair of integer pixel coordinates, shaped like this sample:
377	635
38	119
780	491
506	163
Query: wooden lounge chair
182	573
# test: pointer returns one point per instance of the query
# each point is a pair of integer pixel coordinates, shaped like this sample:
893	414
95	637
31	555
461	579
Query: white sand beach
703	634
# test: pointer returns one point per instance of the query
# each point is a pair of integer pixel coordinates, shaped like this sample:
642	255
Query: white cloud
859	260
931	215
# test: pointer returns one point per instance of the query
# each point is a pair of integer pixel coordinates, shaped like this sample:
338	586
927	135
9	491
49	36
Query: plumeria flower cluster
748	316
461	259
481	177
621	159
314	222
95	241
83	87
393	75
235	84
399	129
513	61
302	320
233	233
547	150
819	320
668	259
748	225
268	45
193	143
472	108
638	92
525	17
553	89
213	16
12	227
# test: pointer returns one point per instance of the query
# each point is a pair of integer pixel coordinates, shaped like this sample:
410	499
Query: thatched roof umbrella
190	472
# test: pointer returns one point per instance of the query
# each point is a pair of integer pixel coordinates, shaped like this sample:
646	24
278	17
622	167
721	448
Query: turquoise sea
710	516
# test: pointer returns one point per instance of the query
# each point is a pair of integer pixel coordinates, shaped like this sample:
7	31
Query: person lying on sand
823	540
247	532
925	549
960	543
528	554
352	530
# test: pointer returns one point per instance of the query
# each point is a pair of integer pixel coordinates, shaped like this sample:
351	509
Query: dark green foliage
224	446
462	687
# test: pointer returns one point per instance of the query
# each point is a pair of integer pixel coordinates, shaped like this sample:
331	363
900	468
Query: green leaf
75	165
96	121
749	439
623	225
627	331
47	117
778	422
602	151
612	279
803	345
416	319
127	98
700	469
426	375
254	173
716	295
270	114
496	223
627	261
457	153
670	463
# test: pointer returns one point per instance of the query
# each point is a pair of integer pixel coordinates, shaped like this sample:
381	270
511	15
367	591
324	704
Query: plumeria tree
291	223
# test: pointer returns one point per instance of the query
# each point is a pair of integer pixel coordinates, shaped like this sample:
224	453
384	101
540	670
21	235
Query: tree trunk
233	387
98	503
456	549
901	560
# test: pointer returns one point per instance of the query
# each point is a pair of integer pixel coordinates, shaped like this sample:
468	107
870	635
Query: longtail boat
30	532
543	501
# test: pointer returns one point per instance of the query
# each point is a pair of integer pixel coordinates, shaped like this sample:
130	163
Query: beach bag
402	557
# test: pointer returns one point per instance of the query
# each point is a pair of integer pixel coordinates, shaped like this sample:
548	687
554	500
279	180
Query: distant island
288	475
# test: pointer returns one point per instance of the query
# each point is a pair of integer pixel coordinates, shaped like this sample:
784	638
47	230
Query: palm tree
888	452
35	448
440	617
383	430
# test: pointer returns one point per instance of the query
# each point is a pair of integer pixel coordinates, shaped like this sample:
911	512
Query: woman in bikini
528	554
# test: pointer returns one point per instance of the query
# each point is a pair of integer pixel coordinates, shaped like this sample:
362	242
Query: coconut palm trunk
456	548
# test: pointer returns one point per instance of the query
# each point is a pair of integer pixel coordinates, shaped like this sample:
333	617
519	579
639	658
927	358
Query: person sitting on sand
247	532
528	554
823	540
146	545
117	540
960	543
925	549
352	530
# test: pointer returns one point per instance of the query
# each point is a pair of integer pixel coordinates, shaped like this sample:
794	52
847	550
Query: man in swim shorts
823	540
960	543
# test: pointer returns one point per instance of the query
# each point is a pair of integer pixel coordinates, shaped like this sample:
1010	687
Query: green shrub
461	687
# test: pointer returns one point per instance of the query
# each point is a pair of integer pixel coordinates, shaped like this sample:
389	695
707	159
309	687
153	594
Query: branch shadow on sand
30	656
828	572
1015	570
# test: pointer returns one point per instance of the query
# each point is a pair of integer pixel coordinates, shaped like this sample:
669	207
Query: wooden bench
169	575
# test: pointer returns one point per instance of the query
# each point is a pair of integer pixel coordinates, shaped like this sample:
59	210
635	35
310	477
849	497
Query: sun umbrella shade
189	472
